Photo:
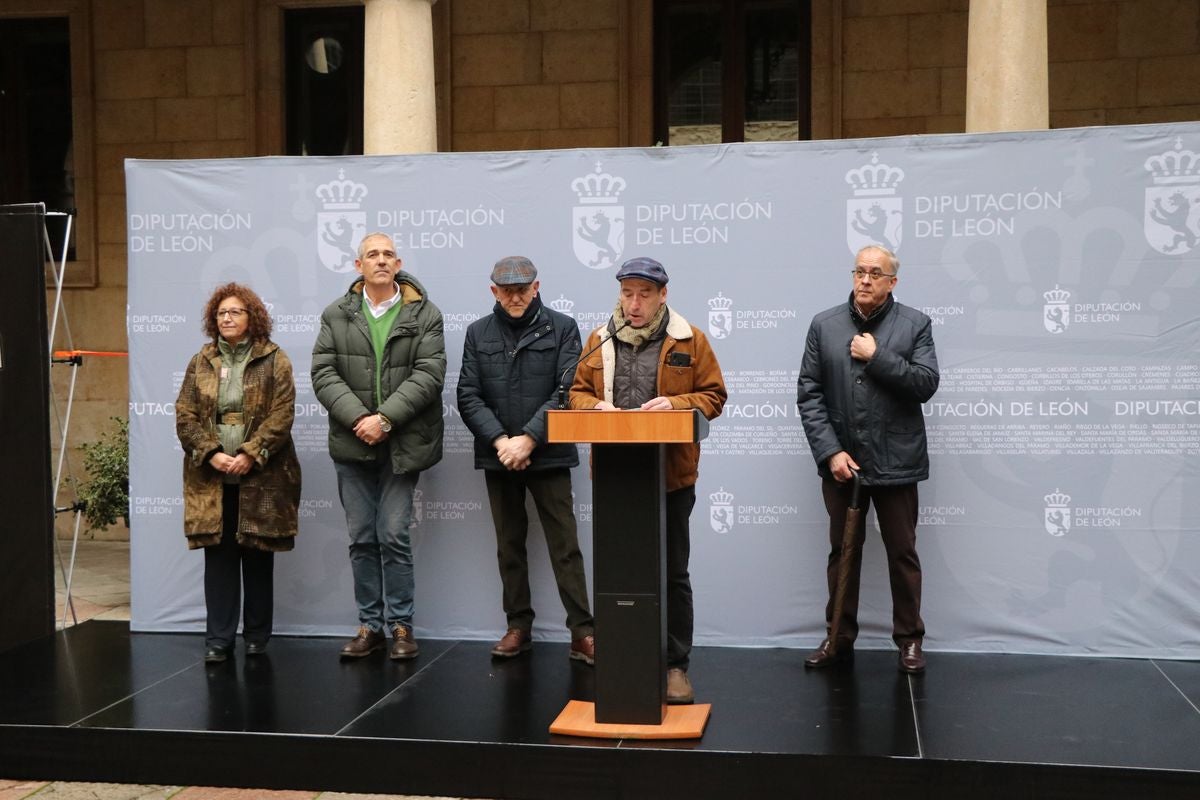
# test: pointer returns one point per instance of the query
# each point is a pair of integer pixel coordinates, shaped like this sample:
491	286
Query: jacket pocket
540	357
676	380
903	447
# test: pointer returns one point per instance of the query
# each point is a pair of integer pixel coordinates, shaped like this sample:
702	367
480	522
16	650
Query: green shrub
106	489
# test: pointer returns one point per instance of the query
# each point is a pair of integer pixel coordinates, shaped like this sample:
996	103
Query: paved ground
99	583
61	790
100	590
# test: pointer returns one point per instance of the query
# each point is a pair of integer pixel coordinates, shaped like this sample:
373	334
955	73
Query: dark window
36	151
324	81
731	71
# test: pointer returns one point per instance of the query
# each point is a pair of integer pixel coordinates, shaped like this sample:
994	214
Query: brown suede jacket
697	385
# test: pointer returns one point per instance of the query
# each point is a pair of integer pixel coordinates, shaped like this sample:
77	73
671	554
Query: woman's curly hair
259	329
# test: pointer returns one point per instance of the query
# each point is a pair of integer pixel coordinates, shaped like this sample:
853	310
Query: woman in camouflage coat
241	478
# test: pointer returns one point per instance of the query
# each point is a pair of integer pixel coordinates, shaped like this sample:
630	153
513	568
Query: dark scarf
525	320
868	322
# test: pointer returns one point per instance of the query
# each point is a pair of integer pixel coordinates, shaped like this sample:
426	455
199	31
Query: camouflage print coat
269	495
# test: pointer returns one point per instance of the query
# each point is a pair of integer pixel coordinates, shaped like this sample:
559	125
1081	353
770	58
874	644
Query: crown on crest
562	305
720	302
341	194
1057	295
598	187
721	497
1175	166
1057	499
874	178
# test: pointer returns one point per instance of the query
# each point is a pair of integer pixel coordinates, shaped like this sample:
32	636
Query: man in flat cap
657	360
515	362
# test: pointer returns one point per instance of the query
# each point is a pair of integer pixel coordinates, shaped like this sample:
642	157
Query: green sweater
379	336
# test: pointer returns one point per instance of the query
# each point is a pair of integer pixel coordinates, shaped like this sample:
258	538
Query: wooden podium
629	564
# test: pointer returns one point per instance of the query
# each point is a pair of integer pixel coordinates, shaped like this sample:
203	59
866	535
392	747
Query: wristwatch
385	424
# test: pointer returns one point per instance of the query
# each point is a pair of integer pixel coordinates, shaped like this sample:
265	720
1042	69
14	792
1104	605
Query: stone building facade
203	79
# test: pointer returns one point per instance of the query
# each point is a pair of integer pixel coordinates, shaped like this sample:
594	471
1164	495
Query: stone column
1007	69
399	108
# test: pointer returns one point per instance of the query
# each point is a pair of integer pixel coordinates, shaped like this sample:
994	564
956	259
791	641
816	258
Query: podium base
681	722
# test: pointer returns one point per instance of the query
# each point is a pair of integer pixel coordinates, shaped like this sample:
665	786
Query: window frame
292	93
81	272
733	75
270	123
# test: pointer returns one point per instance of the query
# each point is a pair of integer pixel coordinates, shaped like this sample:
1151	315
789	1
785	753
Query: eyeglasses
232	313
874	274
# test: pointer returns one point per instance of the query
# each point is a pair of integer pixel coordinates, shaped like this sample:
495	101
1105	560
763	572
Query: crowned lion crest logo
1057	516
1056	313
341	223
598	221
720	511
1172	211
720	316
875	215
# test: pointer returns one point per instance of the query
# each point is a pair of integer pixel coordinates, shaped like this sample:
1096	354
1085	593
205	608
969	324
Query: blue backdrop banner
1060	269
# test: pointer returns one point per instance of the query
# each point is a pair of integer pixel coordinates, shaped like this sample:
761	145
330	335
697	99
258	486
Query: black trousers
228	569
551	492
896	510
679	582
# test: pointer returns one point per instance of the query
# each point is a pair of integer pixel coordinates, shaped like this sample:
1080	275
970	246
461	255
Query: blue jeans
379	512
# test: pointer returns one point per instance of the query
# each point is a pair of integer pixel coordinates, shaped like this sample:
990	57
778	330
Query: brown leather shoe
513	643
679	688
824	656
911	658
584	649
403	644
364	643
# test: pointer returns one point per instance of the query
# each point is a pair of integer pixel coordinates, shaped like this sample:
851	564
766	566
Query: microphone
562	390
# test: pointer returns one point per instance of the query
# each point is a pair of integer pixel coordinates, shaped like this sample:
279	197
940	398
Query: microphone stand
562	389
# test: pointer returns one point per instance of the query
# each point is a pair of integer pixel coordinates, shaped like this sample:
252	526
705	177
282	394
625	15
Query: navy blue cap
645	268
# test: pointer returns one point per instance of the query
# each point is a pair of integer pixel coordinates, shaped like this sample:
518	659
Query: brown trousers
896	510
551	491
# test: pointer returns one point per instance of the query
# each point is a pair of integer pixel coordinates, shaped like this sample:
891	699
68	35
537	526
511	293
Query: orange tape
72	353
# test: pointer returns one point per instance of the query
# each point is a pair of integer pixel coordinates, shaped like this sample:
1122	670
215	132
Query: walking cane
849	535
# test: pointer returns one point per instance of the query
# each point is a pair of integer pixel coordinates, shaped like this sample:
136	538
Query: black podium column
629	565
26	543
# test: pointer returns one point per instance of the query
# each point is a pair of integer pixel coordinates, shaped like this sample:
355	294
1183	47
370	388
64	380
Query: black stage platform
97	703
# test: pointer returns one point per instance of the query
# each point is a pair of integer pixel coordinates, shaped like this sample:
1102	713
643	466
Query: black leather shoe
215	655
911	658
824	656
256	648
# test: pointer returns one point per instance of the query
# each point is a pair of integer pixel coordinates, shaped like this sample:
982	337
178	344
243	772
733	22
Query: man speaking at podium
654	360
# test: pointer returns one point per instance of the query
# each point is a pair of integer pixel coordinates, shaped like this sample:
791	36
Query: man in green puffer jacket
378	367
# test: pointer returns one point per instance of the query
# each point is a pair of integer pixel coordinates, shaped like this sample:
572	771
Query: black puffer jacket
872	409
506	388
